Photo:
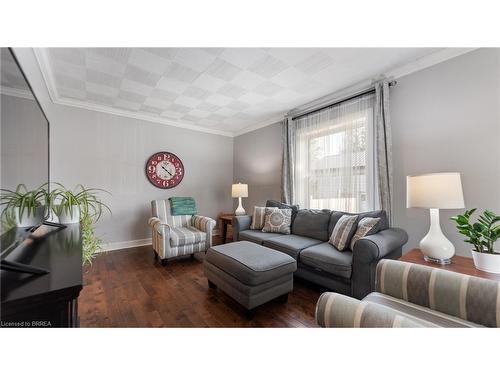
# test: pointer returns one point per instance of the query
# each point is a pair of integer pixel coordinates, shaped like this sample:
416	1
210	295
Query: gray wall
110	152
257	162
446	118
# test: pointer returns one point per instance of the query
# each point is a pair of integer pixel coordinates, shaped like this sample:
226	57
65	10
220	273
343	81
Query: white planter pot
486	261
29	220
67	217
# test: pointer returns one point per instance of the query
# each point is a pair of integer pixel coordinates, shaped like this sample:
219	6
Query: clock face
164	170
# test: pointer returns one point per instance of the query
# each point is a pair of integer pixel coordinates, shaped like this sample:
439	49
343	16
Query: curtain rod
350	97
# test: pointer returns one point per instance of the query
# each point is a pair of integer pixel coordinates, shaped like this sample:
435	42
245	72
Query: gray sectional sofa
349	272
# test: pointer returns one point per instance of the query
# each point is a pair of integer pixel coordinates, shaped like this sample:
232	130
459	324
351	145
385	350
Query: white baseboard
125	244
110	246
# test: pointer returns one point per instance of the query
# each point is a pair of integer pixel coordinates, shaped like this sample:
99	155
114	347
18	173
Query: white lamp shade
435	190
240	191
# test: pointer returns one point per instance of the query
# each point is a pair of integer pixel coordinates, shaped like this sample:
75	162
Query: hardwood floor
128	288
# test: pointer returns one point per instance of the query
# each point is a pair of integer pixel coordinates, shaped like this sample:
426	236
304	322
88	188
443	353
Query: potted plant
80	205
23	207
482	235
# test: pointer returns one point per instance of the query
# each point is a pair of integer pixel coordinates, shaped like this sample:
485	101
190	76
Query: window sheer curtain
333	157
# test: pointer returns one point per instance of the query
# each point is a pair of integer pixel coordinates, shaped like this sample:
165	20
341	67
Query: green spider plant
86	199
481	234
91	209
22	200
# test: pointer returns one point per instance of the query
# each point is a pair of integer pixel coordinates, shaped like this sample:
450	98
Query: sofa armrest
378	245
161	228
240	223
339	311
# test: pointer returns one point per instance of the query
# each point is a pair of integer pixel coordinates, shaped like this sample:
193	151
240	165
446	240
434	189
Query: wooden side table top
458	264
228	218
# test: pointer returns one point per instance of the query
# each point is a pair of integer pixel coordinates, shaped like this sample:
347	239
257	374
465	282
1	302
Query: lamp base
240	211
437	261
435	246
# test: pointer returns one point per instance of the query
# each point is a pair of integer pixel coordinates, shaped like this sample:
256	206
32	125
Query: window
334	156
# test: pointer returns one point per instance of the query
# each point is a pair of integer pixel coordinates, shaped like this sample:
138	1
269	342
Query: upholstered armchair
178	235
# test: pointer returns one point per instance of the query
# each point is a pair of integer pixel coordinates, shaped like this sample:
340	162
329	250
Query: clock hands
166	170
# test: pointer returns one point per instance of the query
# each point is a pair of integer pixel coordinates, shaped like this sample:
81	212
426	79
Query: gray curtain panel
287	168
383	147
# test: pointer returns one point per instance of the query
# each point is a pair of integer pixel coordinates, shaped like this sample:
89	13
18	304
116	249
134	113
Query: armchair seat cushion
186	236
256	236
291	244
328	259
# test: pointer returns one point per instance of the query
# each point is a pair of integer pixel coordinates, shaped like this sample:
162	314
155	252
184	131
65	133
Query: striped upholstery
181	234
466	297
339	311
343	232
186	236
412	295
419	313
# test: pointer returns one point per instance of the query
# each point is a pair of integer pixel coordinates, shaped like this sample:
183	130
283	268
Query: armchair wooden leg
192	256
283	298
155	254
164	262
249	314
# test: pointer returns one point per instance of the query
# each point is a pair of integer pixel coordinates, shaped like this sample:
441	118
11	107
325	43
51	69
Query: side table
458	264
225	221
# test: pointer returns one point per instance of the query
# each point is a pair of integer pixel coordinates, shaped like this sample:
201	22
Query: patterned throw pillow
277	220
259	213
343	232
365	225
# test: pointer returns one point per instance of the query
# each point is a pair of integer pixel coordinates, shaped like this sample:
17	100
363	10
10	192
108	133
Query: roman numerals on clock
164	170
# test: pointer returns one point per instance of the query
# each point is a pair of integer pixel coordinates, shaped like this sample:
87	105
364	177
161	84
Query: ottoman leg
249	314
211	285
283	298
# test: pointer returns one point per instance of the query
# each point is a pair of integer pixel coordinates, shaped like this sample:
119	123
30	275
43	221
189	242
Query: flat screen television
24	149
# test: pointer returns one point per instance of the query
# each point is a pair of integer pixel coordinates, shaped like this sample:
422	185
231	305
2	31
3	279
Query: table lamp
240	191
435	191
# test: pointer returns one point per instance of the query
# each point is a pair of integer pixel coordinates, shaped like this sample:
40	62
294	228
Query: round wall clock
164	170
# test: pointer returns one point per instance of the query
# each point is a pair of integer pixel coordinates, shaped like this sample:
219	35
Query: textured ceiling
220	89
11	79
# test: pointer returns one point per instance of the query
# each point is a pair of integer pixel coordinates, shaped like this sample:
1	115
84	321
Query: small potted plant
482	235
23	207
80	205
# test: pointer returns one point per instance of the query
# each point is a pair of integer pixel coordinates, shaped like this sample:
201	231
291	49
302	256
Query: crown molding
428	61
18	93
260	125
42	60
406	69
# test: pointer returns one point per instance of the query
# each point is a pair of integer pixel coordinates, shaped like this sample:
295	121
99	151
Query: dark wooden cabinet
49	300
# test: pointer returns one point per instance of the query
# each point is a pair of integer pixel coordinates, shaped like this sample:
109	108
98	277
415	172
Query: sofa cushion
256	236
381	225
312	223
291	244
273	203
250	263
328	259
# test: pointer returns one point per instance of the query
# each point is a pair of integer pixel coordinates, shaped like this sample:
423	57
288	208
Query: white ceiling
220	90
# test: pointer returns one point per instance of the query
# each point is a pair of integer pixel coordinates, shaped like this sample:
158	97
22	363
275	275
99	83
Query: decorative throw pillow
365	226
277	220
343	232
259	213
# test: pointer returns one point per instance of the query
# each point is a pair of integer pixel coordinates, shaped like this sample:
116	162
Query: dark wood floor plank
128	288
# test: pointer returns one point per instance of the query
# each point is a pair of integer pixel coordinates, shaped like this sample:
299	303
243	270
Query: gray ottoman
250	273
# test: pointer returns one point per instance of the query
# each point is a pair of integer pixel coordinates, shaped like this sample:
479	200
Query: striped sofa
178	235
412	295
